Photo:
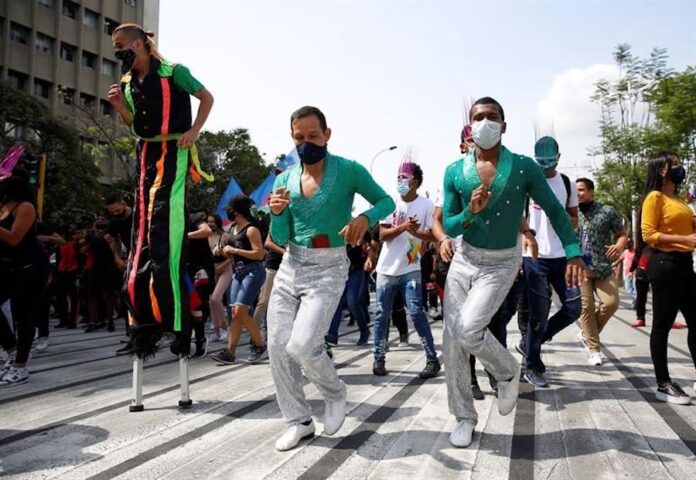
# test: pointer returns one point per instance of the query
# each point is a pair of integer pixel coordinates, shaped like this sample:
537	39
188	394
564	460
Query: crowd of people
509	231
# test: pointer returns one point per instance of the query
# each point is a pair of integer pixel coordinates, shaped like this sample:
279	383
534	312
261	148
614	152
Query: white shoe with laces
595	359
294	435
15	376
461	435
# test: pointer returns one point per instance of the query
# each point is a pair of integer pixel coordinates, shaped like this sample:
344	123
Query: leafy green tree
227	154
76	191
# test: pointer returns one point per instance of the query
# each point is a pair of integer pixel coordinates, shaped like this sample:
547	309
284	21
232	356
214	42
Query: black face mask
585	207
677	174
127	58
310	153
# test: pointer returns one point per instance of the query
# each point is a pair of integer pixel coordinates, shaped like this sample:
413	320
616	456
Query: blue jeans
540	277
353	298
410	286
246	284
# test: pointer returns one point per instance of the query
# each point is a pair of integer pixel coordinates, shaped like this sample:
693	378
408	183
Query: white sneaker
581	339
15	376
41	344
9	363
214	337
595	359
461	435
334	413
508	393
294	435
223	335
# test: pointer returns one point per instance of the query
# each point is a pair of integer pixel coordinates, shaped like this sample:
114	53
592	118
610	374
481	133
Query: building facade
61	51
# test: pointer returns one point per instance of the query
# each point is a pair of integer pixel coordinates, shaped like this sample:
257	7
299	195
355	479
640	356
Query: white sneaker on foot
334	414
223	335
508	393
294	435
595	359
41	344
461	435
15	376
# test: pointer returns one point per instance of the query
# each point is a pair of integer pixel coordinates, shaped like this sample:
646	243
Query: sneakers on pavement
461	435
8	365
432	368
672	393
334	413
379	369
638	323
595	359
224	357
294	435
507	394
41	344
256	354
536	378
15	376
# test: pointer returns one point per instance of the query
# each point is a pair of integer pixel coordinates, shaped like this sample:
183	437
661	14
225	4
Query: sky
397	72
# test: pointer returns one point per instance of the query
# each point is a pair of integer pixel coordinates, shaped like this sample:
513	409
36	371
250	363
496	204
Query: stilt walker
485	194
153	99
311	214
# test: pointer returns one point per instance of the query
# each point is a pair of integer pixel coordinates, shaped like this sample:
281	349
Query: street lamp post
372	163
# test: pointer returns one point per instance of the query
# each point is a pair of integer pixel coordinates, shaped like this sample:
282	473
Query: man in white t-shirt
404	235
548	271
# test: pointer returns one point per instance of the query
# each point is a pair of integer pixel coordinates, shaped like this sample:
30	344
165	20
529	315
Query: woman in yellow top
667	225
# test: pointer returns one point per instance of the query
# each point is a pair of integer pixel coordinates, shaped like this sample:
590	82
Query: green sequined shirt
497	225
329	210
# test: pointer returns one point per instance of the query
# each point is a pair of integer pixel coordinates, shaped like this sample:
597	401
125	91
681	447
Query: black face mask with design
127	57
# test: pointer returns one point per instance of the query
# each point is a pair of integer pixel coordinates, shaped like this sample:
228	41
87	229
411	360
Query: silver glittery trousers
477	283
306	293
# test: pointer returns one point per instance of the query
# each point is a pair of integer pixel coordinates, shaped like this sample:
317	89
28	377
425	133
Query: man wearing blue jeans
548	270
398	268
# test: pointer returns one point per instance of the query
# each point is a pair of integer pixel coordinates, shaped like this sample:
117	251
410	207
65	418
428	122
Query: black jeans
22	285
642	288
673	281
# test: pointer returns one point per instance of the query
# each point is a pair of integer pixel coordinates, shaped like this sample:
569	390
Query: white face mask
486	133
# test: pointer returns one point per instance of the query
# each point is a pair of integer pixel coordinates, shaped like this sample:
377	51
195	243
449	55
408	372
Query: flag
232	189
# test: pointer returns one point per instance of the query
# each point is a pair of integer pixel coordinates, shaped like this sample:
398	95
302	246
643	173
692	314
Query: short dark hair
113	197
418	174
589	184
308	111
242	205
488	101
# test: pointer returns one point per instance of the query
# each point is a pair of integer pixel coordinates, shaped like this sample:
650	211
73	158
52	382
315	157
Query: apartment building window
44	43
42	88
89	60
110	25
70	9
91	19
67	95
131	3
108	68
47	3
16	80
19	34
104	107
68	52
87	101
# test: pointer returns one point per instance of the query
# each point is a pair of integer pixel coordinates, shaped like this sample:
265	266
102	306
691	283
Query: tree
628	126
227	154
76	192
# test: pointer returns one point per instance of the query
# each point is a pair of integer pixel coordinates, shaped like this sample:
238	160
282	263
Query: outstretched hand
355	230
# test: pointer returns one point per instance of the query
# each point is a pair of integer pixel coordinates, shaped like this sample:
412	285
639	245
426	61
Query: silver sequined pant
306	293
477	283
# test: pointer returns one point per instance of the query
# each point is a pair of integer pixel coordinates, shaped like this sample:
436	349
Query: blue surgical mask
402	187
